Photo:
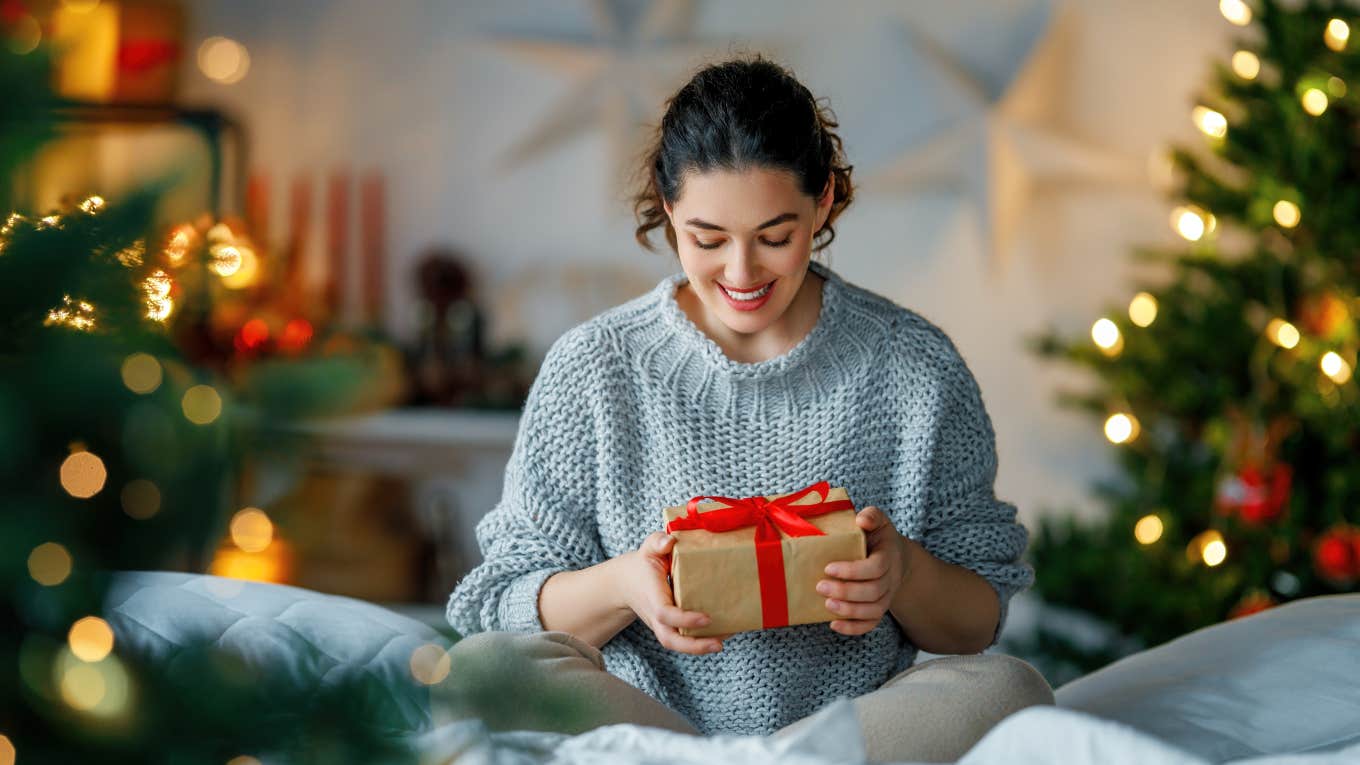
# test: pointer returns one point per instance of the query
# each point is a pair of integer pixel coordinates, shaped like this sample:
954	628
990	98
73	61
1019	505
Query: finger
670	638
872	567
660	541
855	610
871	518
852	626
674	616
854	591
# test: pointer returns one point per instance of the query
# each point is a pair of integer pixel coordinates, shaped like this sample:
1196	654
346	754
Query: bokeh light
1106	336
223	60
430	664
24	34
1335	367
1286	213
141	373
90	639
1314	101
1209	121
141	499
1336	34
49	564
251	530
7	753
1246	65
101	688
1121	427
201	404
1143	309
83	474
1148	529
1235	11
1282	333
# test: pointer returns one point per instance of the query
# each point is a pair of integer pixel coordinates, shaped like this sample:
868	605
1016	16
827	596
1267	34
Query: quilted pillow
292	641
1282	681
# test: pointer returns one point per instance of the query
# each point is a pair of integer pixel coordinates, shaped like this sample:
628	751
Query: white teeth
760	293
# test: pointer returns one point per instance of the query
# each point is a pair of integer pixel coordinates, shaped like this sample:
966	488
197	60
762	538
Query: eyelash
716	245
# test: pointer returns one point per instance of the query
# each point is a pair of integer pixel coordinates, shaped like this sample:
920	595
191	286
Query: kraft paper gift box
754	562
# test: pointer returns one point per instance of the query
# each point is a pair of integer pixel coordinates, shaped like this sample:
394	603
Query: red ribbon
769	516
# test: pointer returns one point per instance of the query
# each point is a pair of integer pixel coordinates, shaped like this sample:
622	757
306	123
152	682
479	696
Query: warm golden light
182	239
1246	65
226	259
1338	32
201	404
141	499
1148	529
1105	334
1207	546
244	759
1189	222
1215	552
1335	367
1282	333
49	564
158	309
1210	122
1286	213
7	753
247	274
91	204
1336	87
100	688
223	60
1143	309
251	530
1235	11
82	687
83	475
90	639
1121	428
73	313
132	255
268	566
430	664
141	373
157	285
1314	101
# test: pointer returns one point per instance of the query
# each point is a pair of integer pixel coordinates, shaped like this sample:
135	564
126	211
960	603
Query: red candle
373	243
337	223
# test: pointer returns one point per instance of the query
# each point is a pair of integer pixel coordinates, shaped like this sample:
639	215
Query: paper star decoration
636	58
999	147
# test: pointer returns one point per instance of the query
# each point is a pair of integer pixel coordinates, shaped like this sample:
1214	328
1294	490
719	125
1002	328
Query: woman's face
744	241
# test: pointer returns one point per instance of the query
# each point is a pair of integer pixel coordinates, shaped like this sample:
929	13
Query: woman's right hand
647	592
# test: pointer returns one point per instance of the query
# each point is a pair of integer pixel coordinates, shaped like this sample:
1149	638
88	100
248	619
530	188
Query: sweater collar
692	336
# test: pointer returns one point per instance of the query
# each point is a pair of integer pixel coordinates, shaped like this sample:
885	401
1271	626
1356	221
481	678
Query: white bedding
1034	735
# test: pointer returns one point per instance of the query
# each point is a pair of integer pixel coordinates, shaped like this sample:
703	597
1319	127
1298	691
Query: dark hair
740	114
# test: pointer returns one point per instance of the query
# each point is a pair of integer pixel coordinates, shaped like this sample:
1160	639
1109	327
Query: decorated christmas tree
1225	383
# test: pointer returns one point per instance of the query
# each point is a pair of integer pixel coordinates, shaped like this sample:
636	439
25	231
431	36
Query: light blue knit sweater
636	409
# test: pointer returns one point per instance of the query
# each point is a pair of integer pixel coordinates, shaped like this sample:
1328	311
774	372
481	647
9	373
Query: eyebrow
776	220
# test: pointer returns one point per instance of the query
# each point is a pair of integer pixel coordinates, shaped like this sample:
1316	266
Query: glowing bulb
157	284
1282	333
49	564
1235	11
92	204
76	314
226	260
1107	337
83	474
7	753
1335	367
158	309
429	664
223	60
1188	222
182	238
1143	309
1207	546
1148	529
1121	428
1209	122
1286	213
201	404
1246	65
90	639
1338	32
251	530
1314	101
82	687
141	373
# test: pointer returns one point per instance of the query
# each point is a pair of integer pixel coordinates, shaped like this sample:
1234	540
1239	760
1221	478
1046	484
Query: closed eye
716	245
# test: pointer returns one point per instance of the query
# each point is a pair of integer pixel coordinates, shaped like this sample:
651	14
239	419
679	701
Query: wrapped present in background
754	563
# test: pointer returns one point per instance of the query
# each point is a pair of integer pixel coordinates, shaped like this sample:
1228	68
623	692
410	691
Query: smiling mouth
751	294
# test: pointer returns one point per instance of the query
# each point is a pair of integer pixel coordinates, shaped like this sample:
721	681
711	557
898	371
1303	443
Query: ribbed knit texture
637	409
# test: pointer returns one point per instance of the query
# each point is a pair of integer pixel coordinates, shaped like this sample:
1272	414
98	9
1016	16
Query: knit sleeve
964	522
545	520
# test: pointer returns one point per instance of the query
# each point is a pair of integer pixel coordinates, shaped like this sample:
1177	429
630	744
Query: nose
741	270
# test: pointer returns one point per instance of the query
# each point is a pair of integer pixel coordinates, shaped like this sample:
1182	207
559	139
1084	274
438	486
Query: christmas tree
1226	382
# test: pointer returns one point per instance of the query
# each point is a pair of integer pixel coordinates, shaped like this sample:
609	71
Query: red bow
769	516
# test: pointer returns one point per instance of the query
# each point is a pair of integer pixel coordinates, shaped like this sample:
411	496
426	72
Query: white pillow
1282	681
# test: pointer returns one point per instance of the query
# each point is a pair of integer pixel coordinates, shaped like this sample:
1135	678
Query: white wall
415	88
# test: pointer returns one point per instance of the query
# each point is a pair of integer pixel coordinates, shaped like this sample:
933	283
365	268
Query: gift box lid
834	522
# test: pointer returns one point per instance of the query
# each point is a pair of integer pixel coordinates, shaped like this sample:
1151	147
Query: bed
1279	686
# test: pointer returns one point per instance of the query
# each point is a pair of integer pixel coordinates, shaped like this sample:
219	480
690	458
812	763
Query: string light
251	530
1143	309
131	255
1121	428
157	285
7	753
141	373
1210	122
92	204
83	474
1335	367
201	404
1235	11
226	259
49	221
158	309
1336	86
1208	547
1286	213
1215	552
182	238
1107	337
223	60
76	314
1282	333
430	664
49	564
1192	222
90	639
1148	529
1246	65
1337	34
1314	101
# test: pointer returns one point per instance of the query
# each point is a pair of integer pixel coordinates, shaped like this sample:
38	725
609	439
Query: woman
755	371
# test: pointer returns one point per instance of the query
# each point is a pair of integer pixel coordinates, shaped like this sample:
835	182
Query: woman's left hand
861	591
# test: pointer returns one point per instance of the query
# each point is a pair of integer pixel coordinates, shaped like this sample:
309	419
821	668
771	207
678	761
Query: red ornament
1336	555
1257	498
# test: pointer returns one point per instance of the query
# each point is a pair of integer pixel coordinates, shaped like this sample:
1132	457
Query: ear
667	205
